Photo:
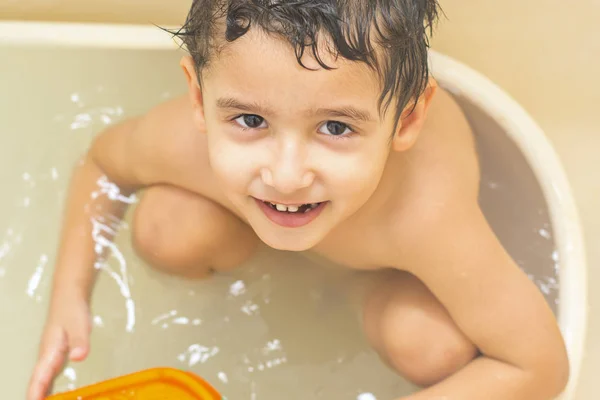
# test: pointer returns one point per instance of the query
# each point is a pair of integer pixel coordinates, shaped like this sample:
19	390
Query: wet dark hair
390	36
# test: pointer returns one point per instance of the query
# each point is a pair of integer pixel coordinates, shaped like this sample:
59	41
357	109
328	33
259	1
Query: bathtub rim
90	35
542	158
453	75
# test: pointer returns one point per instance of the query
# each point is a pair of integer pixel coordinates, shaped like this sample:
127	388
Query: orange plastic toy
153	384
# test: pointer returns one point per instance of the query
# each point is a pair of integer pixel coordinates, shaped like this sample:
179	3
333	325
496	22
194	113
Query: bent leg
412	332
186	234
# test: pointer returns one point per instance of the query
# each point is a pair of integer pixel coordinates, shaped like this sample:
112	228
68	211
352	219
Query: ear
194	90
411	123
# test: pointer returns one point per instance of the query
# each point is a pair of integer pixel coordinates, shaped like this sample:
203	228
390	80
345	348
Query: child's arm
122	159
496	306
68	324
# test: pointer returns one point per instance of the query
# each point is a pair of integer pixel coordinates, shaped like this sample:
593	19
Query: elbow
561	375
559	369
551	373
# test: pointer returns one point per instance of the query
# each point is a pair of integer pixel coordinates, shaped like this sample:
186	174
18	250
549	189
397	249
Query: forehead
263	65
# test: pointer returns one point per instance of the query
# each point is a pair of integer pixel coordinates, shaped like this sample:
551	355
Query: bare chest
355	245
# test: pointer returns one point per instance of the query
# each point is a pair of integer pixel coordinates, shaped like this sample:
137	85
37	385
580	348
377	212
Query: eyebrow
232	103
345	112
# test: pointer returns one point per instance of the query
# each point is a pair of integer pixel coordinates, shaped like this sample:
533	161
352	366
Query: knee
187	235
160	236
422	349
422	352
155	241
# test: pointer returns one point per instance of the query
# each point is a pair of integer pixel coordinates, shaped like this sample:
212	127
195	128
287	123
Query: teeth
292	209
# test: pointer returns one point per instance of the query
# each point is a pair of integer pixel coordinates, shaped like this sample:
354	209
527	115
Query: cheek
357	176
227	164
234	165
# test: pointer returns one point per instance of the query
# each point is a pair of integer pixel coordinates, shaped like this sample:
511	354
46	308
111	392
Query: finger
78	354
40	384
79	343
48	366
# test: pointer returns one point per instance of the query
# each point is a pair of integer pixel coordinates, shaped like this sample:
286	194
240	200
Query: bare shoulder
445	154
440	174
172	149
161	147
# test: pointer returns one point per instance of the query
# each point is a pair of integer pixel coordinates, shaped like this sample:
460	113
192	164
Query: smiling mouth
292	209
291	215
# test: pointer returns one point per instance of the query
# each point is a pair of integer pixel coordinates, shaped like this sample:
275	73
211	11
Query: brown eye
335	128
250	121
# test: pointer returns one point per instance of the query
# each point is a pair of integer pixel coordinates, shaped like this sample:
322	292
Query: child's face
280	133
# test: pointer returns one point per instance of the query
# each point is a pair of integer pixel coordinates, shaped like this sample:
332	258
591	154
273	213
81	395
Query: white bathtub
524	192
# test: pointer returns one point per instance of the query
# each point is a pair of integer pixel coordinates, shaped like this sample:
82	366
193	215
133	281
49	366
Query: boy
314	126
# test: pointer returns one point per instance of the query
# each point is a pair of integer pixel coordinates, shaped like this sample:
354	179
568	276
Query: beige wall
165	12
543	52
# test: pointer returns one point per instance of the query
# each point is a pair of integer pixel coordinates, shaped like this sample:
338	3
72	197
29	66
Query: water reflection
35	279
172	318
71	375
197	354
120	276
366	396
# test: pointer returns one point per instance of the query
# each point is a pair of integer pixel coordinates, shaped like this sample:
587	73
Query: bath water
279	327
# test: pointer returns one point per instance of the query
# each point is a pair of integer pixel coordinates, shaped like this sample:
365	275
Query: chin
288	243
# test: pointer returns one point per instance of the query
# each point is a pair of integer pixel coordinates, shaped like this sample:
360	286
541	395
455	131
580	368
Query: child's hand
67	331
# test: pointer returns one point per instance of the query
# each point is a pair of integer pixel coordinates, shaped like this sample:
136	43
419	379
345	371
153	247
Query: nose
288	172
